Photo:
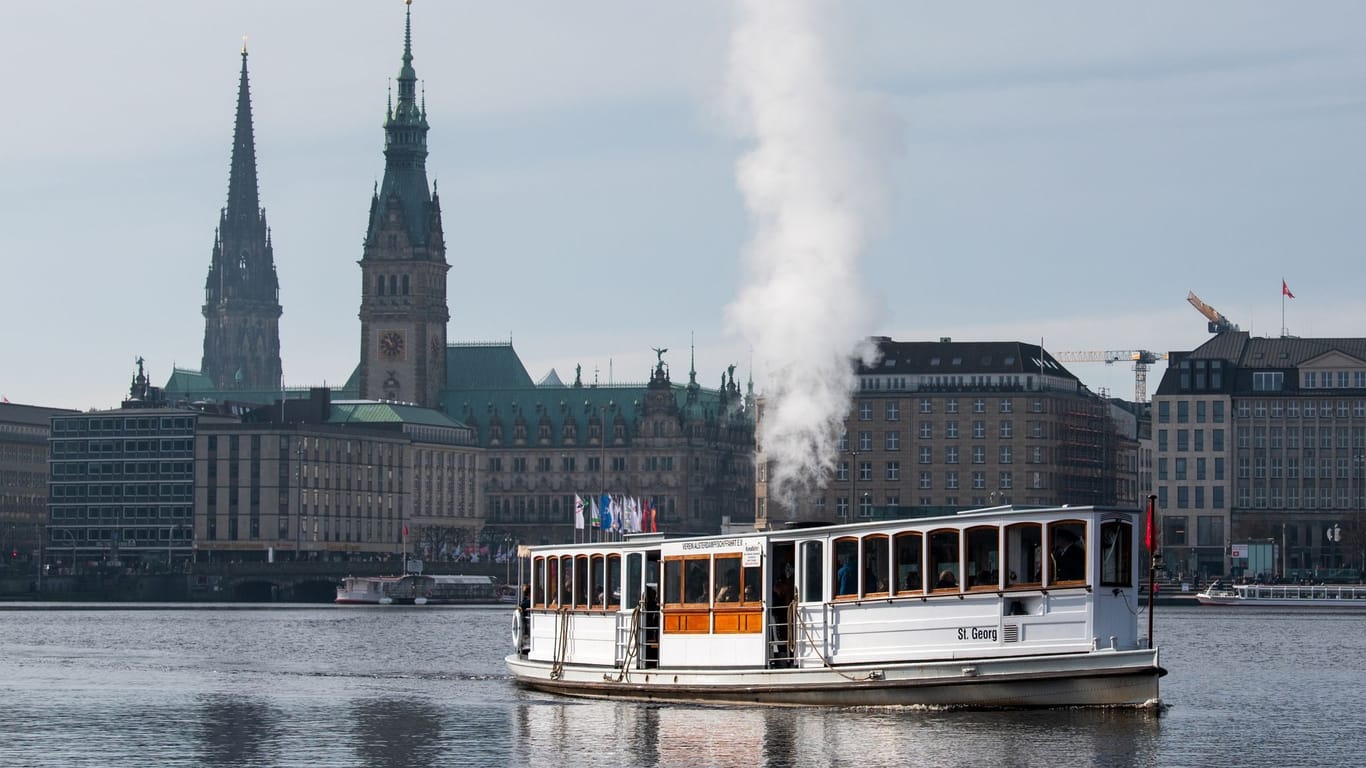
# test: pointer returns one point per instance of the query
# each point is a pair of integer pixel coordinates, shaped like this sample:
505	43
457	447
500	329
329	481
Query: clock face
391	344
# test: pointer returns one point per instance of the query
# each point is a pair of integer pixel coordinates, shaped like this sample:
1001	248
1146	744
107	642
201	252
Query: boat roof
805	531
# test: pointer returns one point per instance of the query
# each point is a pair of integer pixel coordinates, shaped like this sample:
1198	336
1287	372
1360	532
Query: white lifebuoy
517	629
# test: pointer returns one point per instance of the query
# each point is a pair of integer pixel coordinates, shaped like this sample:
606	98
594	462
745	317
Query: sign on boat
997	607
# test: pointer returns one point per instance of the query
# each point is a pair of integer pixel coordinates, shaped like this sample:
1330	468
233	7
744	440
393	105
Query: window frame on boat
982	558
874	553
1116	538
1078	528
941	543
908	542
1023	559
842	549
812	562
580	582
538	582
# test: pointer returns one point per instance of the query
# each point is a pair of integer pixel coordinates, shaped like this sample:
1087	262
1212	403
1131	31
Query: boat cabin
1002	581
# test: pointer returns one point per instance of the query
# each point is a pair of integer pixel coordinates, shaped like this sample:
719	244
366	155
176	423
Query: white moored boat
1343	596
960	610
366	590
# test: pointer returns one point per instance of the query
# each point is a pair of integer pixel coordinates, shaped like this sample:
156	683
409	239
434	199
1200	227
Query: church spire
242	292
243	199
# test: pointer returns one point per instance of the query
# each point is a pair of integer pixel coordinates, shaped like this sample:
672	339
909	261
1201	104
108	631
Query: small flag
606	512
405	530
1285	289
578	512
1148	534
593	519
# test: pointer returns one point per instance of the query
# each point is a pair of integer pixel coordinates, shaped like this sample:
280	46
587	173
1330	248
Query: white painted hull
1102	678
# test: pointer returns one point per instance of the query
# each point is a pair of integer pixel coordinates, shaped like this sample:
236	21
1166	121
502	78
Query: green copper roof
485	366
367	412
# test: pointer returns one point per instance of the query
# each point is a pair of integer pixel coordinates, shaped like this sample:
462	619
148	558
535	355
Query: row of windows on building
130	470
524	464
96	448
1202	411
120	425
1274	381
953	479
110	515
891	410
891	440
88	491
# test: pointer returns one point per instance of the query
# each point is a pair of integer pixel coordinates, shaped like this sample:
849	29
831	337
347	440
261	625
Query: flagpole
1151	535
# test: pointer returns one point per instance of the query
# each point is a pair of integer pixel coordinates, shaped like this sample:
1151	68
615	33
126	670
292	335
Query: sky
1055	172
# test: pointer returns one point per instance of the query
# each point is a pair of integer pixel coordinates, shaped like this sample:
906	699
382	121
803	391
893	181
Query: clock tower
403	312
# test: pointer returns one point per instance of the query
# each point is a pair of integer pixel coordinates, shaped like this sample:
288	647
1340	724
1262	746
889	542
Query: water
414	687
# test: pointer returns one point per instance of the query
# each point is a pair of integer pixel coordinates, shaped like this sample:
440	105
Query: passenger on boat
946	580
730	591
1069	560
845	578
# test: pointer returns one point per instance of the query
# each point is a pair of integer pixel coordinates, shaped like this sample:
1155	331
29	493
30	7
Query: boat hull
1335	598
1099	679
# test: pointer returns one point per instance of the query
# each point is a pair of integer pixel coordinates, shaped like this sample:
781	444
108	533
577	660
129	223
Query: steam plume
812	185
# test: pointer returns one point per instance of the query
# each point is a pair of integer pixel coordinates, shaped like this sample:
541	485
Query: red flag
1285	289
405	530
1149	540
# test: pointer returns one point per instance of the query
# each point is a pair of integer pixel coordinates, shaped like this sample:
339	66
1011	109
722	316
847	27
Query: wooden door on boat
810	632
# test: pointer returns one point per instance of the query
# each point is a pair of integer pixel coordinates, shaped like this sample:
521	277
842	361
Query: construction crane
1141	358
1217	322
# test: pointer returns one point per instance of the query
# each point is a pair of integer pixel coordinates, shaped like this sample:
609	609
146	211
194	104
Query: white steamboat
999	607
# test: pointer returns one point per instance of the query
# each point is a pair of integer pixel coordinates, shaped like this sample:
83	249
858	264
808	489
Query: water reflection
395	734
608	733
236	731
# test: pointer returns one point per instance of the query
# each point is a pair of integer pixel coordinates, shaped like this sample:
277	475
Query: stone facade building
950	425
24	432
1262	440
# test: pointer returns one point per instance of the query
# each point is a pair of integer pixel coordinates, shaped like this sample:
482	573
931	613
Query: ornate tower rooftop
403	311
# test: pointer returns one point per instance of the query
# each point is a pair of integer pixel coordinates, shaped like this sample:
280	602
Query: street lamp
853	484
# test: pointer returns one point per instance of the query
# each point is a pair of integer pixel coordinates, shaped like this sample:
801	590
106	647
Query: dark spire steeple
243	199
242	292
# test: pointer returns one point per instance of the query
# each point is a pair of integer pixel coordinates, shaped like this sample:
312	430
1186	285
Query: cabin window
1024	555
1067	556
635	566
1116	554
876	564
984	557
612	585
813	573
909	574
944	560
566	581
581	581
673	581
846	568
552	582
597	580
752	585
538	582
696	581
727	578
